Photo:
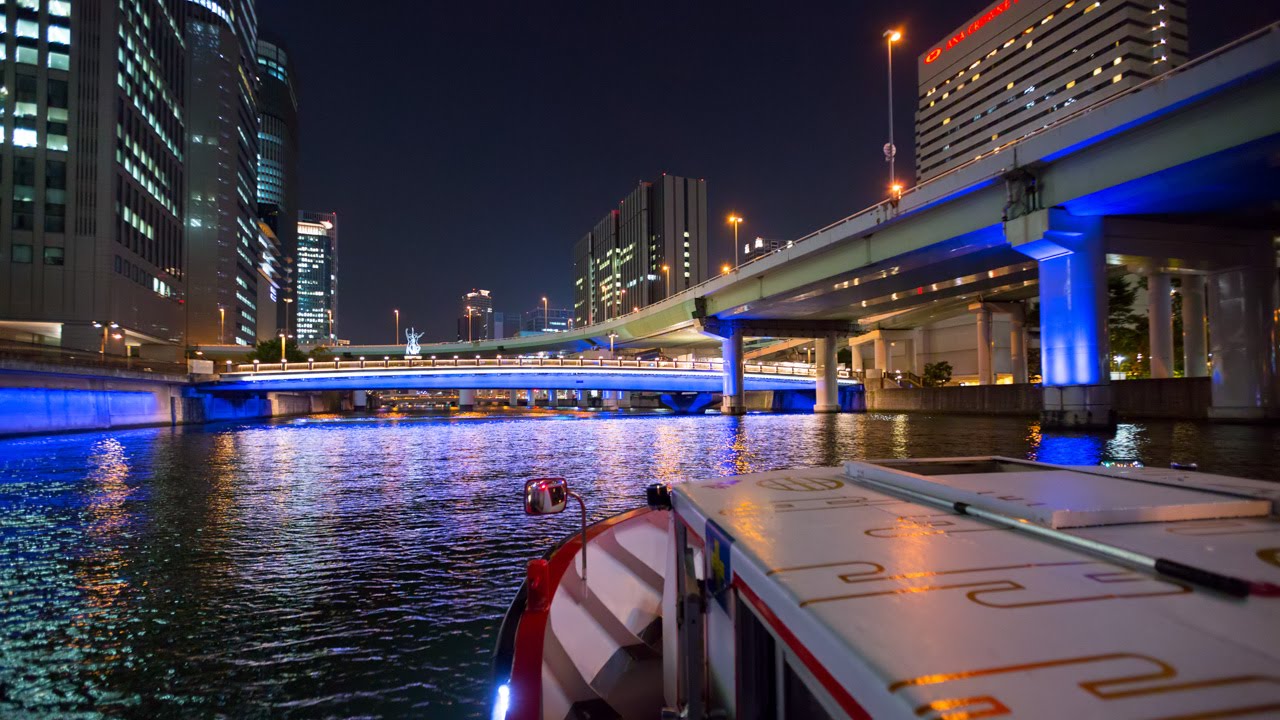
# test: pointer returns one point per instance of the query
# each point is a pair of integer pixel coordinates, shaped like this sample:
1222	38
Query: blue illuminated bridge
515	374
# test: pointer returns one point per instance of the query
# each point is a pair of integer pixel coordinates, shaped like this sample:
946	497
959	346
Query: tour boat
944	589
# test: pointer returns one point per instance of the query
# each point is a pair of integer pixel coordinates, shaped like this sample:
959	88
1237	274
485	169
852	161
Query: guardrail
789	369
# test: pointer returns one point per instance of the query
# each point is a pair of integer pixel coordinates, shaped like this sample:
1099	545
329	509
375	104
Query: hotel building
1021	64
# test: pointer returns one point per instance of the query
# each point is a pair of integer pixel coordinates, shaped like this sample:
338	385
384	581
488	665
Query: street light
222	326
287	302
890	151
544	314
282	346
736	220
106	327
330	311
724	269
666	270
397	340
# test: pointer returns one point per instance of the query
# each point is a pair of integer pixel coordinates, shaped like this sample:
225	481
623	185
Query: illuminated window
59	61
24	137
1009	86
59	34
60	8
1097	71
1091	7
1116	79
27	55
1116	61
944	122
1029	43
28	28
1071	84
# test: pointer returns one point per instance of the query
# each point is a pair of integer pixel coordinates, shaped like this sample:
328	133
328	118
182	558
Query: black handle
1205	578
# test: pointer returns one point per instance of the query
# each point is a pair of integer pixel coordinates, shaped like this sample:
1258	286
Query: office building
278	160
93	188
652	246
547	319
227	257
316	279
760	247
476	319
1018	66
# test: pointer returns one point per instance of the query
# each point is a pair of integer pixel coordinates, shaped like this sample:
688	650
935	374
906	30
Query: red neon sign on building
974	27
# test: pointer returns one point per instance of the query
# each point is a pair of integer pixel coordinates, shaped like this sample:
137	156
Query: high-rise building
278	160
547	319
476	321
652	246
226	255
760	247
91	229
316	279
1018	66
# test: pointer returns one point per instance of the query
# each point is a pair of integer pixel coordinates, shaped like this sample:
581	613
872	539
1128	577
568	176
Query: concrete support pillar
552	400
624	398
360	399
513	399
577	398
1195	362
734	400
855	356
1071	252
1160	324
828	386
530	395
882	354
609	398
1018	349
1242	306
466	399
909	356
985	375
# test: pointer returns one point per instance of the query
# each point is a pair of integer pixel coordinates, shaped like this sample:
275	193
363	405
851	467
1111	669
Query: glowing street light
890	151
222	326
735	220
544	314
396	341
724	269
666	270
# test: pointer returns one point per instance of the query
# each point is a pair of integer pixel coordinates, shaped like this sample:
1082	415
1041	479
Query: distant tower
278	160
476	320
316	278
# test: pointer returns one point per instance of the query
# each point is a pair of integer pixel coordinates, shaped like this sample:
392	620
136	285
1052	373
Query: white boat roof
923	612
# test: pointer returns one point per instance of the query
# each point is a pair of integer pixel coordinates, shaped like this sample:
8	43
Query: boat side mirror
545	496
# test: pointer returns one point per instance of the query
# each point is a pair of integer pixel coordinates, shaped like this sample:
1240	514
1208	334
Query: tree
269	351
319	352
1126	330
937	374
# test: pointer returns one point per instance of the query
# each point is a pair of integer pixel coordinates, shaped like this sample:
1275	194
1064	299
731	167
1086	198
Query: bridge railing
784	369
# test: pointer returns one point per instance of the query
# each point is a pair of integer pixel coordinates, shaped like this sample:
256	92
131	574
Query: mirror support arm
582	505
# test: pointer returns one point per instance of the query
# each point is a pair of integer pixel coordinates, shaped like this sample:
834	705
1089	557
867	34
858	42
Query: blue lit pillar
1242	333
734	400
828	385
513	400
609	398
1071	252
531	396
466	399
577	398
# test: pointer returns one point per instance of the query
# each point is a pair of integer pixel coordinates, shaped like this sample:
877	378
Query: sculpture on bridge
412	347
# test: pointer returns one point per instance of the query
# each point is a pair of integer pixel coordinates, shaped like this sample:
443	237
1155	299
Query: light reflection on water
354	566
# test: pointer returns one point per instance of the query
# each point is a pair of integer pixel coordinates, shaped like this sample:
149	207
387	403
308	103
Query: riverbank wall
1167	399
39	398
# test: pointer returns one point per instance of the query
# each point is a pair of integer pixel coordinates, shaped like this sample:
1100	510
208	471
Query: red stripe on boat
834	688
526	663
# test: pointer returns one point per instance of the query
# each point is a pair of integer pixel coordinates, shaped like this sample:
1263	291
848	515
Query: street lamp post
736	220
330	311
106	327
283	342
468	323
222	326
287	302
397	339
666	270
890	151
544	315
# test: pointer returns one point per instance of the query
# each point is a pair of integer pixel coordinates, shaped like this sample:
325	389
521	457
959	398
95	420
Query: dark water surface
340	566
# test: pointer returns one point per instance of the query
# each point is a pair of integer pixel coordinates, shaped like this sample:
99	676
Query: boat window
757	666
799	702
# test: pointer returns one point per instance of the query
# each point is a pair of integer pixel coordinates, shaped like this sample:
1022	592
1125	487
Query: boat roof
918	609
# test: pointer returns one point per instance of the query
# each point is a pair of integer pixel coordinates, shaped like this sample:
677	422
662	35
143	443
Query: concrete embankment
1170	399
42	398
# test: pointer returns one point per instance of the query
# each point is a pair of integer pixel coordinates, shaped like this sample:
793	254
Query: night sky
470	144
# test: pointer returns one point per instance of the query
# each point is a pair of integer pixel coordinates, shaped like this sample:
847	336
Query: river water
351	566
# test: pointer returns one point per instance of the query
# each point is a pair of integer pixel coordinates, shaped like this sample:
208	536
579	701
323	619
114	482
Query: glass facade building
1018	66
317	278
277	191
652	246
476	320
92	201
227	258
